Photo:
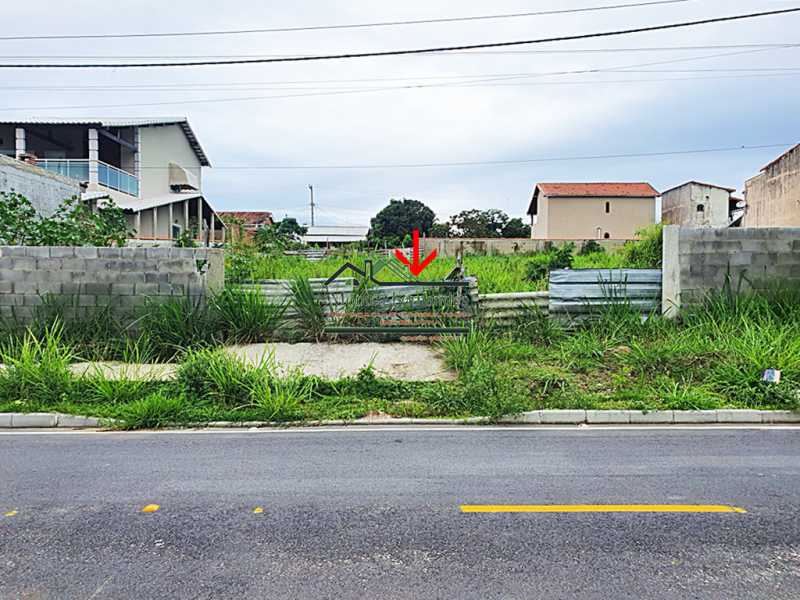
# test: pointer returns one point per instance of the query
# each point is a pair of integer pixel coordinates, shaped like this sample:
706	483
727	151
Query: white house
151	168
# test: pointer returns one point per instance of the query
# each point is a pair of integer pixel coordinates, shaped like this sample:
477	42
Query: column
94	156
20	142
186	216
139	224
171	221
200	218
155	222
213	233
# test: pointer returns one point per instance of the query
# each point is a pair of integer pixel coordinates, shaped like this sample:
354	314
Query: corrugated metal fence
585	292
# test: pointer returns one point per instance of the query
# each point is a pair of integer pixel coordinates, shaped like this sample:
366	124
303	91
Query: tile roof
597	190
250	217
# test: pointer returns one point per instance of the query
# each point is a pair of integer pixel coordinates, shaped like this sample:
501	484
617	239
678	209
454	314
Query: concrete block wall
87	278
697	261
45	190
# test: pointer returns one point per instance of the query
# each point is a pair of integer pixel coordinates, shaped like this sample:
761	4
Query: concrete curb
45	421
536	417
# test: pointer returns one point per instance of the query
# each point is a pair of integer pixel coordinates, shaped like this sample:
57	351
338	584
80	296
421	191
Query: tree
516	228
290	227
73	224
476	223
398	219
440	230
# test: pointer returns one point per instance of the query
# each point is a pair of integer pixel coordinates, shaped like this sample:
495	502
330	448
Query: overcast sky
507	119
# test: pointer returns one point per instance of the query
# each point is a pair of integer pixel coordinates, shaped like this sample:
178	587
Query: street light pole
311	189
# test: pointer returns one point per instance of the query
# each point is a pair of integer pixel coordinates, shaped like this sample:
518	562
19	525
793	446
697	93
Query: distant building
697	204
330	235
773	196
582	211
151	168
251	221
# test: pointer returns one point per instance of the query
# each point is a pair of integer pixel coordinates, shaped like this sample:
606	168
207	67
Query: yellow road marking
587	508
150	508
258	510
11	513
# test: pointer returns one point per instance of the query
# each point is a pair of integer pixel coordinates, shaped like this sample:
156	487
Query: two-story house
151	168
584	211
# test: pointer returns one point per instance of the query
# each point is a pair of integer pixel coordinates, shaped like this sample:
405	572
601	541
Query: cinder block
11	275
12	251
122	289
156	278
653	417
70	288
62	252
86	252
26	287
599	417
158	253
10	300
563	417
37	251
23	264
738	416
109	252
780	416
6	313
24	420
96	288
86	300
6	287
164	289
695	416
32	300
146	289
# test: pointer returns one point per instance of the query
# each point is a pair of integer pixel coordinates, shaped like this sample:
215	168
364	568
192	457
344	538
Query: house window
606	236
608	207
176	231
701	207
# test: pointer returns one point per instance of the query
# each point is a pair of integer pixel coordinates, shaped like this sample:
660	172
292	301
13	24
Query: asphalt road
363	513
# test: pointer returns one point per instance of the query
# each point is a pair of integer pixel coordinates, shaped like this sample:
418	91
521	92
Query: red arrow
415	267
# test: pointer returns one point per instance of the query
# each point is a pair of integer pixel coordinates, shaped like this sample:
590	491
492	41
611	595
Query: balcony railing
107	175
74	168
117	179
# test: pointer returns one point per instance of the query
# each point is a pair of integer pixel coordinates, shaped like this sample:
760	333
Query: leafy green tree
73	224
440	230
398	219
516	228
290	227
476	223
18	220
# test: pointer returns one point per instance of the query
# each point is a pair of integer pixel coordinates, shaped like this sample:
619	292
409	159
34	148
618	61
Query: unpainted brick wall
750	256
86	278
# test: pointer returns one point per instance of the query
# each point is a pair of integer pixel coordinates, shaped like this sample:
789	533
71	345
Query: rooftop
250	217
711	185
597	190
781	157
122	122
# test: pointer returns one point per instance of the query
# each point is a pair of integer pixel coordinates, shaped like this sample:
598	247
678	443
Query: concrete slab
23	420
563	417
738	416
652	417
695	416
780	416
599	417
407	362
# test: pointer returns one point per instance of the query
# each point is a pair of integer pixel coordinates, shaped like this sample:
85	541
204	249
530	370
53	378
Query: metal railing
107	175
74	168
117	179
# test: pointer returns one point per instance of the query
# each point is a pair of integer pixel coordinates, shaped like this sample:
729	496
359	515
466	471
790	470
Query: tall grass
309	318
244	315
172	326
37	368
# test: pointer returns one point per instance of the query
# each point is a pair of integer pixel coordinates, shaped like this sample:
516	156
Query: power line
406	52
495	162
489	52
343	26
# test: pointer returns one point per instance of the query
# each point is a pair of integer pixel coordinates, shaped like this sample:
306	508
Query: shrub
217	377
591	247
173	325
281	399
153	411
243	315
462	352
646	252
541	264
310	313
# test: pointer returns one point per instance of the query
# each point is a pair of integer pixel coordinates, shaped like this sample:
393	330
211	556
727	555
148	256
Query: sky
490	106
